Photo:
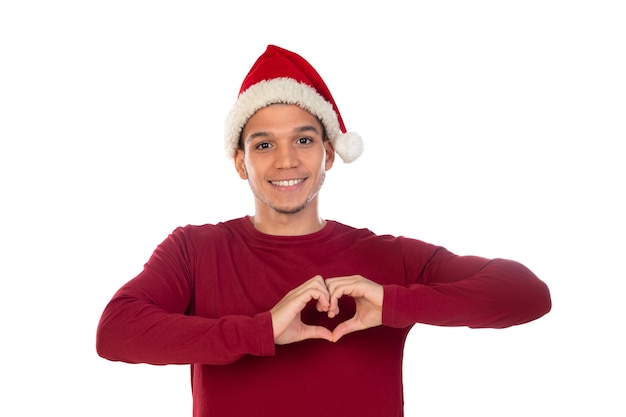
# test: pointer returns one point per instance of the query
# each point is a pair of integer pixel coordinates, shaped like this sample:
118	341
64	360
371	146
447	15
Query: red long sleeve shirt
204	298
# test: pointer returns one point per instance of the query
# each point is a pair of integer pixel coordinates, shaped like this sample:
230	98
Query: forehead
280	116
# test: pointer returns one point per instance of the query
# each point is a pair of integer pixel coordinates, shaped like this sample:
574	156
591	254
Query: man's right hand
286	314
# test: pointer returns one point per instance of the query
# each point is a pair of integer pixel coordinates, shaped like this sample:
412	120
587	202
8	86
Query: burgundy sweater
204	298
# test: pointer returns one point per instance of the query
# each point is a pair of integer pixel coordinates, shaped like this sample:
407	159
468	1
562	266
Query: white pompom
349	146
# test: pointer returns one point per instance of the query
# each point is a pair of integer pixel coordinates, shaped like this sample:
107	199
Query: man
284	313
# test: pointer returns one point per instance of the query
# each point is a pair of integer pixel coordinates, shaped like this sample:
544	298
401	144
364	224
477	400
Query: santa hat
281	76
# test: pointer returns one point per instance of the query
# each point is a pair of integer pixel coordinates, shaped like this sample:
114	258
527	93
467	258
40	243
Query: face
284	158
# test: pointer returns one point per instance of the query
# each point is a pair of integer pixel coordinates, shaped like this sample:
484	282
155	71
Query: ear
240	164
330	154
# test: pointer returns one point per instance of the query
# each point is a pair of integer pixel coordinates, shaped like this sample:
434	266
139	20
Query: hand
368	296
286	315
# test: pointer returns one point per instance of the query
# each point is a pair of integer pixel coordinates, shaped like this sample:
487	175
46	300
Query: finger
316	332
320	295
335	292
333	307
292	305
346	327
337	288
317	283
323	300
356	287
322	304
314	282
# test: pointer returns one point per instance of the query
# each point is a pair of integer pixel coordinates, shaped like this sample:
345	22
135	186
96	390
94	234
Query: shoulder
368	237
194	233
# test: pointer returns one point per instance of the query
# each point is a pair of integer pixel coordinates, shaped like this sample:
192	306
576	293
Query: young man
284	313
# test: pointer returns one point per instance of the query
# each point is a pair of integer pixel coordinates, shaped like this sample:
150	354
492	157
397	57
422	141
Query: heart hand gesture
286	315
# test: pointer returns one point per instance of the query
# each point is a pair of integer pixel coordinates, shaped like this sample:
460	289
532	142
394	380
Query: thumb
348	326
316	332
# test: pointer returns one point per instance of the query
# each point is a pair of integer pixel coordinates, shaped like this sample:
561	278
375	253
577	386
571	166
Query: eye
262	146
304	140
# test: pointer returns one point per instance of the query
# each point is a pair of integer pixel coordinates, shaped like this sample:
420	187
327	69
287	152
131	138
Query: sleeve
147	320
452	290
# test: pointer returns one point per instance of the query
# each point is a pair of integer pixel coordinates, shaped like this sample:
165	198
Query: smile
286	183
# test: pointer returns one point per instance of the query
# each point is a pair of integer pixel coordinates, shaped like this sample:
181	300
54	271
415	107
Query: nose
285	157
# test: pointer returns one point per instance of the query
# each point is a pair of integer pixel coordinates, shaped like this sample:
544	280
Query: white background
493	128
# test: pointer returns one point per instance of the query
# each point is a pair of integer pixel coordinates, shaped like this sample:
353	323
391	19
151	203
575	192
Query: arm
147	320
454	290
132	329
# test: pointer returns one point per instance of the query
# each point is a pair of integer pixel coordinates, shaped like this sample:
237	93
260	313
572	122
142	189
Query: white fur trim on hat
348	146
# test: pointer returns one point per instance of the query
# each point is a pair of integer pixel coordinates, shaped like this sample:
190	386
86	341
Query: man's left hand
368	297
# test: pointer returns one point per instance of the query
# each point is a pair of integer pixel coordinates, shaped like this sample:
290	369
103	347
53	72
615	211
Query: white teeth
289	183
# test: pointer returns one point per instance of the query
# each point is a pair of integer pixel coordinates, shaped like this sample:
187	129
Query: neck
281	224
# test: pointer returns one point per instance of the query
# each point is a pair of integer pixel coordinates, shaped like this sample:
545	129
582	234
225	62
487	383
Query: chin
291	209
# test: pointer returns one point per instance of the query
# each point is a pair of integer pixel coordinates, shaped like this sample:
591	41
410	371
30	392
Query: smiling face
285	159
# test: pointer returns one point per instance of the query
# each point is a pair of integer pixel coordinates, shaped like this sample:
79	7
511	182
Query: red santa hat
281	76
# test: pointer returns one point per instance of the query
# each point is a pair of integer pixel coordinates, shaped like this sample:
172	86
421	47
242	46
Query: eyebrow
307	128
299	129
